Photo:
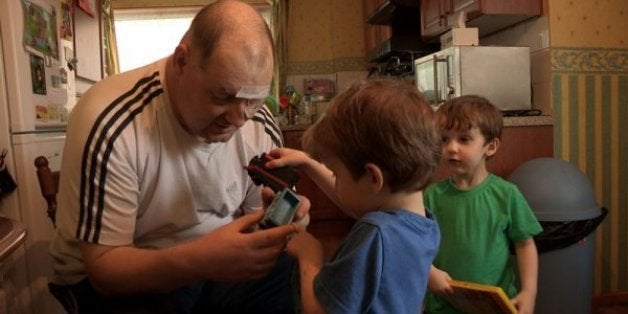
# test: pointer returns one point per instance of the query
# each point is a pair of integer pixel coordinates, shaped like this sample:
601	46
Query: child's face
465	151
353	194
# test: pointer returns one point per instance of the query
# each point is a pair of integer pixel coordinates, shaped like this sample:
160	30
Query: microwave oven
500	74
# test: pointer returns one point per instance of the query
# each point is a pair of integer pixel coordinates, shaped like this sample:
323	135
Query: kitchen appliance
37	92
393	35
402	38
500	74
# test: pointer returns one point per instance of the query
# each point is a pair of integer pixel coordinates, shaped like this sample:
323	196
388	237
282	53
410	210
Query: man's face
208	104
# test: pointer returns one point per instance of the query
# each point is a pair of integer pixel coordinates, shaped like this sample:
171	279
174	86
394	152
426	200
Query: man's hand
236	254
231	253
244	255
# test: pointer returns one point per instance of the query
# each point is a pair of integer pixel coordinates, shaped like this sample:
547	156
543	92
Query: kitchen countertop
508	122
528	121
12	234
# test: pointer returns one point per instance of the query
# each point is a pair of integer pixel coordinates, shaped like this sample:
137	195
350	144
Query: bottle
293	100
309	109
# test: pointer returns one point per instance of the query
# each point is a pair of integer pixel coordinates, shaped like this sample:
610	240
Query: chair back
49	185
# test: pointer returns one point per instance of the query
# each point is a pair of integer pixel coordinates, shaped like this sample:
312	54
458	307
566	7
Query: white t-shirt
131	175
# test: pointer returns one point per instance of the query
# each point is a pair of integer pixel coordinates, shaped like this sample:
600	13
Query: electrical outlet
544	39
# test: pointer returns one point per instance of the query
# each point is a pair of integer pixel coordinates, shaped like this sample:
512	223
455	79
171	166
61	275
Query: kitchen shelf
382	15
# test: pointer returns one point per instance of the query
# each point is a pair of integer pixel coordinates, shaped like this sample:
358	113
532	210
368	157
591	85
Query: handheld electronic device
281	210
281	180
276	178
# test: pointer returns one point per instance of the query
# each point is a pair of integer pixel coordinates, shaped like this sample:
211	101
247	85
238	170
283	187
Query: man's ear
492	147
181	57
375	176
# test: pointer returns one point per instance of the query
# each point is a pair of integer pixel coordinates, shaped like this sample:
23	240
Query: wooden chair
49	185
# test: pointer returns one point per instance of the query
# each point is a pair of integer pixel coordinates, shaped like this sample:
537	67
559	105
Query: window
146	35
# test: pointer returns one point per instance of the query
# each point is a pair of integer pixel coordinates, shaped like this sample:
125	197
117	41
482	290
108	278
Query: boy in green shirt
479	213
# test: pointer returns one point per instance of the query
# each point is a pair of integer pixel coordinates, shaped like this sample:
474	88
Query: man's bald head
227	19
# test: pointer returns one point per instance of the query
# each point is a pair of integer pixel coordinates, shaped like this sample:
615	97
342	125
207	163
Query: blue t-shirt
382	266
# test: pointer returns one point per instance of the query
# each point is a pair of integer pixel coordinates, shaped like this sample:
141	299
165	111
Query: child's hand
287	157
303	245
438	282
524	302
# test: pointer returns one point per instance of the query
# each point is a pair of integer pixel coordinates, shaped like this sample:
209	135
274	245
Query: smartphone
281	210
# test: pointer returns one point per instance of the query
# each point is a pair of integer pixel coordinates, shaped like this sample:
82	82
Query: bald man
155	207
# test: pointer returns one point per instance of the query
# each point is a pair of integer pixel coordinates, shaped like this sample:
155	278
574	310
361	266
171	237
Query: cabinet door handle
449	87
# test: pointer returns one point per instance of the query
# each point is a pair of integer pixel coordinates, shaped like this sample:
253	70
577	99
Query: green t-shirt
477	227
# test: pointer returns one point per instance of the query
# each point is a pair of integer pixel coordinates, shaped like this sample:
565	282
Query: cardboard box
467	36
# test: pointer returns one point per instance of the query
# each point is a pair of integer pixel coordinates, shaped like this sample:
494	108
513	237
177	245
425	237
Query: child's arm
438	281
309	253
528	262
321	175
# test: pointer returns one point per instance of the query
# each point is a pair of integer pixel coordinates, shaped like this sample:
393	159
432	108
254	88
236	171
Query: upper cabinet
375	34
488	16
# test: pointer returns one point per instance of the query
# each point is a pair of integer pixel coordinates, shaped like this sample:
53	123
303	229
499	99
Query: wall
579	75
533	33
589	68
325	40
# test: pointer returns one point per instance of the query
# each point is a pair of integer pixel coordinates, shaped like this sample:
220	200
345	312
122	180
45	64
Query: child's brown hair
384	122
465	112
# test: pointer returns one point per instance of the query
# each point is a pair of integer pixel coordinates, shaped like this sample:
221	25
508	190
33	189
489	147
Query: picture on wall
38	74
40	31
67	8
87	49
87	6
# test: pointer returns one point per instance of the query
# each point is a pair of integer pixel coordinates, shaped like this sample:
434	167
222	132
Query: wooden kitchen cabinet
375	34
520	144
433	18
488	16
434	14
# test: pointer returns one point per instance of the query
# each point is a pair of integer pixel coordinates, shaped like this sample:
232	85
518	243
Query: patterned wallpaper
590	60
347	28
589	65
325	36
598	23
309	31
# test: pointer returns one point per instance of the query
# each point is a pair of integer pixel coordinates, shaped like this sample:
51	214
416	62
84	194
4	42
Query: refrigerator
37	93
